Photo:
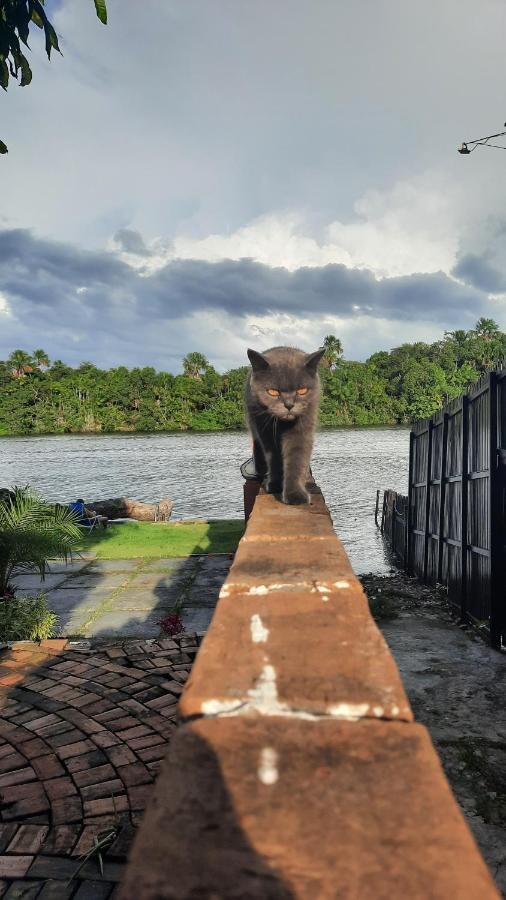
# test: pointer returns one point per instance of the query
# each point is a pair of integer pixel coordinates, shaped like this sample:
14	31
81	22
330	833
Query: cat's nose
289	403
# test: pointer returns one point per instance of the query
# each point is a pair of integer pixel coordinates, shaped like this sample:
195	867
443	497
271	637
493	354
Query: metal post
408	565
377	508
427	502
464	505
442	498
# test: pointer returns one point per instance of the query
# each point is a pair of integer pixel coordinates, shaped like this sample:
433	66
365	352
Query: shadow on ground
113	598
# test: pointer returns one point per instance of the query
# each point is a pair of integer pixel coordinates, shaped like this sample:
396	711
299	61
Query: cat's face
285	381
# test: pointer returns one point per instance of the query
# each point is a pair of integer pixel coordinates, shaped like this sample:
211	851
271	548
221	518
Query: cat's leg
297	446
273	482
260	461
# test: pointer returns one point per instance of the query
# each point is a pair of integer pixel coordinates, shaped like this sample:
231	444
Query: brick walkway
83	730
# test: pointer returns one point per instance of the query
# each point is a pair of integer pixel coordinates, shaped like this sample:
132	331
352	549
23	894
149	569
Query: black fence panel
454	518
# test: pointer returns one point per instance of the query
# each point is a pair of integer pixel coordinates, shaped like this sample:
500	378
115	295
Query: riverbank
456	684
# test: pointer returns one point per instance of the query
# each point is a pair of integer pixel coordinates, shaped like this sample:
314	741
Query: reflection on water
200	472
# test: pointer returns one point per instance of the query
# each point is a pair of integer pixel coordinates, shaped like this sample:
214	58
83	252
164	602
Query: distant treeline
391	387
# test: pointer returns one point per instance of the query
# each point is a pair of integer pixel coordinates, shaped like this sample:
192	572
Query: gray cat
282	404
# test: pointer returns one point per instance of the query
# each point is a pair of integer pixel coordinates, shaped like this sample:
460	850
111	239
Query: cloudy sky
216	174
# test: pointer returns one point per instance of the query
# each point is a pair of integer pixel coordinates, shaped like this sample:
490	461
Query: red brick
20	791
106	739
121	756
102	789
151	753
137	731
34	748
14	866
18	776
86	761
54	645
94	776
76	749
134	773
66	811
28	839
123	723
116	803
48	767
7	679
61	839
139	795
148	740
59	788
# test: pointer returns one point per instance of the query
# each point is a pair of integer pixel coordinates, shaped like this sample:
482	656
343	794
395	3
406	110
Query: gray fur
283	426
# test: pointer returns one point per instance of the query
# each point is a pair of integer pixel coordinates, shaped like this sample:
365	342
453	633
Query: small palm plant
31	533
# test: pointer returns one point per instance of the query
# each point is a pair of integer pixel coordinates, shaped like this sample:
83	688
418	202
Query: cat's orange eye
302	391
273	392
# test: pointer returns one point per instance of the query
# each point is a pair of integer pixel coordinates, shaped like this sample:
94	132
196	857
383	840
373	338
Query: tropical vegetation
392	387
32	532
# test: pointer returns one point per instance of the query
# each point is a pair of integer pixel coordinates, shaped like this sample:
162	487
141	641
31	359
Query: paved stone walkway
83	730
127	597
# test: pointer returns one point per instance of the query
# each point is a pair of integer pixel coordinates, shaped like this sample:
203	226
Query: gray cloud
479	272
82	303
131	242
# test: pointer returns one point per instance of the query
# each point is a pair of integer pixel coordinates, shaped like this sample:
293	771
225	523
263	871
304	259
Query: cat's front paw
296	496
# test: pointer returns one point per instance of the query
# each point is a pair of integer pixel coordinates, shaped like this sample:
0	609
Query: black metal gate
456	531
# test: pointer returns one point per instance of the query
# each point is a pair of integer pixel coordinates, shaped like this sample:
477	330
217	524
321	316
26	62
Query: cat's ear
258	362
313	360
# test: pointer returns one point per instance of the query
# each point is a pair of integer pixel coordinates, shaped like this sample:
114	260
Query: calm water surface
200	472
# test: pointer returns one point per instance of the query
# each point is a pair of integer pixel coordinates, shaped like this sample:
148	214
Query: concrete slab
125	623
175	564
205	589
145	599
57	566
61	599
197	618
94	580
108	566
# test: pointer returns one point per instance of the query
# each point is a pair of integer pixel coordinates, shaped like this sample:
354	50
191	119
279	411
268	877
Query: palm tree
486	328
31	533
195	365
20	362
41	358
333	351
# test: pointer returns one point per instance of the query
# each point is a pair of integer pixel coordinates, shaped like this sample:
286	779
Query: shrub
26	619
31	533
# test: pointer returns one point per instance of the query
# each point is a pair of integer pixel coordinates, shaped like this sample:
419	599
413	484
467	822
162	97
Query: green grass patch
159	540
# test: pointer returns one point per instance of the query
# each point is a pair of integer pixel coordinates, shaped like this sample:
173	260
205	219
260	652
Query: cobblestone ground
83	730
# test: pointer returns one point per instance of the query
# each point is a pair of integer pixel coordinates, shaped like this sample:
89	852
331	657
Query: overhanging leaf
3	147
101	10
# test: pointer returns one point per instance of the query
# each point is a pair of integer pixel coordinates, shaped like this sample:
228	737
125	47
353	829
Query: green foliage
26	619
31	533
16	18
392	387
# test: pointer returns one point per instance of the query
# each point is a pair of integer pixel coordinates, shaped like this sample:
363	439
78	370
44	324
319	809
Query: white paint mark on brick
224	593
259	633
378	711
219	707
261	589
395	710
342	584
348	710
268	769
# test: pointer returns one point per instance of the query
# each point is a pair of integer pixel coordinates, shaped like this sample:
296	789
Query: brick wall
299	771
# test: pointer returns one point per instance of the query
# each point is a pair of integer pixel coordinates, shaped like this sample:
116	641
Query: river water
200	473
